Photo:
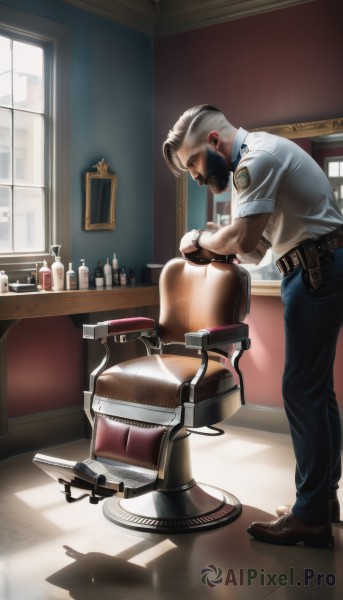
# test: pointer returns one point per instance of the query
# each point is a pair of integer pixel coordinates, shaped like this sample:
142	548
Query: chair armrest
205	339
139	325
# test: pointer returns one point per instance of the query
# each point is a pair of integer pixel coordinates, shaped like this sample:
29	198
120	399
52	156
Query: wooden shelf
50	304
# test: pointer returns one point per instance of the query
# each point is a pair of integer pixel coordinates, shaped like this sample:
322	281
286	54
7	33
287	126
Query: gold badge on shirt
242	179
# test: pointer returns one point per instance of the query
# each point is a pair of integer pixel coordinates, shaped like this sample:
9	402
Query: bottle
115	270
71	279
83	276
108	273
123	276
99	276
3	282
32	278
57	274
45	277
132	276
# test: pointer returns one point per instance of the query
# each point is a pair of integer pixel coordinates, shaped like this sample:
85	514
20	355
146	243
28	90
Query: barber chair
142	411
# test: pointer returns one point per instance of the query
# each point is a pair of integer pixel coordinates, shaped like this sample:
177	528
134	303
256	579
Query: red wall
274	68
262	365
46	366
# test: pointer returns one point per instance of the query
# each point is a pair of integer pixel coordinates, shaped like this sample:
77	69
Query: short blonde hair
186	124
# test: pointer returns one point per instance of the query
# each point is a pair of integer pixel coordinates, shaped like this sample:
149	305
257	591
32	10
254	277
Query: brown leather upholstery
142	410
192	297
162	380
197	296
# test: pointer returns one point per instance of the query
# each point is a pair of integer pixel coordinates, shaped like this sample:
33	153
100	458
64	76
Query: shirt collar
236	148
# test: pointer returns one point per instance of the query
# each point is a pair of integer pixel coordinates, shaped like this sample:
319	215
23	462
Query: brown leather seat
141	409
162	380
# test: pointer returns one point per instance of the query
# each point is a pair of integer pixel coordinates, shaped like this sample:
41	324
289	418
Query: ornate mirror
100	188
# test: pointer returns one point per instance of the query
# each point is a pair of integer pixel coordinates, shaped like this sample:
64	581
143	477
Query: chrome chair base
197	508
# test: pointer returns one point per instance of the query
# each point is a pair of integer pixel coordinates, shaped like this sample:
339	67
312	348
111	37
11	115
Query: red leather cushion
129	443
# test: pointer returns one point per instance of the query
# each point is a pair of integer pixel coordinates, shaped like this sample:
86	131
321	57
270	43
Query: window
34	146
334	171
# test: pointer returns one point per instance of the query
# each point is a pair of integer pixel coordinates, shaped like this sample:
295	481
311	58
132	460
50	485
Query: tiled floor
53	550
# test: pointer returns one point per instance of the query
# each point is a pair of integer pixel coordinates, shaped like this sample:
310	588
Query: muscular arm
241	237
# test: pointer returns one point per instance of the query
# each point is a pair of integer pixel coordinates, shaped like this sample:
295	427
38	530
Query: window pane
27	77
29	220
28	149
5	146
5	219
5	72
333	169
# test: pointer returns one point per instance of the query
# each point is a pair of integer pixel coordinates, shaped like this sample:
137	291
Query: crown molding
194	14
158	18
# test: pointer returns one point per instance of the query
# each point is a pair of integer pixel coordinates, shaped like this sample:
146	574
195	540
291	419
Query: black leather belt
324	246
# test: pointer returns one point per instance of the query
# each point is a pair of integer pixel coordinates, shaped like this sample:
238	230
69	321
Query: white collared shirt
285	181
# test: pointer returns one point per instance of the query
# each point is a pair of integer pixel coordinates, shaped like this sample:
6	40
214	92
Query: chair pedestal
181	505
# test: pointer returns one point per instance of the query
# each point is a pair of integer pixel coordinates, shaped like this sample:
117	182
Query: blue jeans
312	321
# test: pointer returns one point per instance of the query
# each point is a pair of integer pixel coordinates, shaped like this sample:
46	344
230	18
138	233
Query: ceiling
165	17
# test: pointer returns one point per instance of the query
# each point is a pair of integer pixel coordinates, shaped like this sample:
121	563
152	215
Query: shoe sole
327	542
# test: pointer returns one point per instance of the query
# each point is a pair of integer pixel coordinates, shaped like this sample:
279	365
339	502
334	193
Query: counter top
25	305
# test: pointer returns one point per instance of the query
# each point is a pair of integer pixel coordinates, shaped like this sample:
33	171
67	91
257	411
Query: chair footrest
134	481
99	479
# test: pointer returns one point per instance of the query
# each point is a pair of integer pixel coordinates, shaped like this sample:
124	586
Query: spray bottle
57	268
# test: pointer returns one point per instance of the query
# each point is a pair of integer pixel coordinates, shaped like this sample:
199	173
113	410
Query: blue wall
111	70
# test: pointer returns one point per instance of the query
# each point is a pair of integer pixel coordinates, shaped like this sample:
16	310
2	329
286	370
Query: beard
217	176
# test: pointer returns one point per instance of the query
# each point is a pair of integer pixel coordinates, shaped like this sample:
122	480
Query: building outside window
34	133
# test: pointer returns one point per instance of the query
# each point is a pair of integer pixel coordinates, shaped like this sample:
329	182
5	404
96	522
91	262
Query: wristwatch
195	237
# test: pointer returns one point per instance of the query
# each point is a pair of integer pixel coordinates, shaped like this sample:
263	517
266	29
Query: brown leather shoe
334	508
289	530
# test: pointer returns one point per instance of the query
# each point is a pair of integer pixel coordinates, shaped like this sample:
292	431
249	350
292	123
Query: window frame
335	181
56	39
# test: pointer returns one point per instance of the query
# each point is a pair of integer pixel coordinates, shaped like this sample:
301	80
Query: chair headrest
197	293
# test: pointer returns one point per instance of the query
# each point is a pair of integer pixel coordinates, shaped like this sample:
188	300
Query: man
283	200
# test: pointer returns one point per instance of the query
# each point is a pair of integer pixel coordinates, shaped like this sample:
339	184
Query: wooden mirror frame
102	174
291	131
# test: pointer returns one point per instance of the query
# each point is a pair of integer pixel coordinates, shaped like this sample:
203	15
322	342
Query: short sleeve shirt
276	176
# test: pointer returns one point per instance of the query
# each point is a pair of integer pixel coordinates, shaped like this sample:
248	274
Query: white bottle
3	282
83	276
57	274
115	270
71	279
108	273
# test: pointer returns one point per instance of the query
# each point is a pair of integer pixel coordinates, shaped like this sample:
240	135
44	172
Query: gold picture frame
100	198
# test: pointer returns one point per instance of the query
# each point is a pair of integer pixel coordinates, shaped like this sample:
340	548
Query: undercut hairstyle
187	124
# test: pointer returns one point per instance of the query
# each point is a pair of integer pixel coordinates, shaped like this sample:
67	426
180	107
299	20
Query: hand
186	246
212	226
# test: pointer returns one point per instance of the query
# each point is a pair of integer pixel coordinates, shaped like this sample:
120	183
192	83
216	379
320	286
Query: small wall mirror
100	189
